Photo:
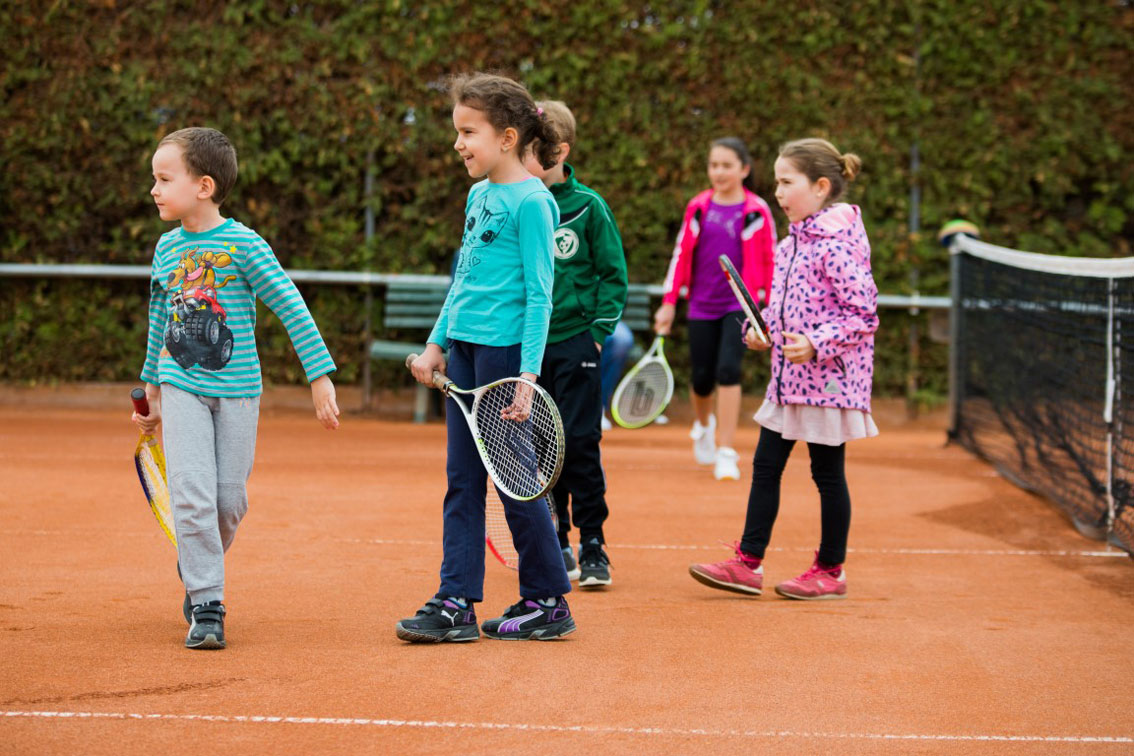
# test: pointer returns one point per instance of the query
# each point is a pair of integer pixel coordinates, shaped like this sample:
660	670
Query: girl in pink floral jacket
822	315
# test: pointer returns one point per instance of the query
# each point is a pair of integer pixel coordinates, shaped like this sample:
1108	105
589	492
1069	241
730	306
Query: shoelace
739	556
593	554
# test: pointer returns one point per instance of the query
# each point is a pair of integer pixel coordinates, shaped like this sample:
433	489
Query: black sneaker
594	564
530	620
439	620
206	627
570	564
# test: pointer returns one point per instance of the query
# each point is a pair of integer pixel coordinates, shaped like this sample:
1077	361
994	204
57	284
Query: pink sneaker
734	574
817	583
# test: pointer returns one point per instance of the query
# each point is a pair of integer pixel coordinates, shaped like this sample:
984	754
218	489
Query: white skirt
830	426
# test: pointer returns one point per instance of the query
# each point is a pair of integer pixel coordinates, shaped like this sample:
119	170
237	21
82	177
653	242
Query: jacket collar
568	185
828	221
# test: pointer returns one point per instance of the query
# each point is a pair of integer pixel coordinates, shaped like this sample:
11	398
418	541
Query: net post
955	314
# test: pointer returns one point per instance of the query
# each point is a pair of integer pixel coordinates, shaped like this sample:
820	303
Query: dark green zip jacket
590	265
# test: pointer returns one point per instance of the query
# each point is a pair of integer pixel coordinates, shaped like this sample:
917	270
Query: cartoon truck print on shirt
195	331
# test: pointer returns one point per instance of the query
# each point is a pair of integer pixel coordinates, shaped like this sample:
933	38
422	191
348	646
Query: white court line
586	729
1110	553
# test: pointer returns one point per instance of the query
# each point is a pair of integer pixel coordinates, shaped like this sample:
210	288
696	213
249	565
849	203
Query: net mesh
1031	386
150	464
642	394
498	535
524	456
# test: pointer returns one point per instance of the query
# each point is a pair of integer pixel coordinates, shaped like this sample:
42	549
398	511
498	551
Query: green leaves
1021	112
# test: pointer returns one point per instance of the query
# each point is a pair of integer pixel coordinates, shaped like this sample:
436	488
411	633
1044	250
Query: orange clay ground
978	620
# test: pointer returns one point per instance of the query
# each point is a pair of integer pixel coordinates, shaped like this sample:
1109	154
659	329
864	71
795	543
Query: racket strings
524	456
496	531
645	394
150	463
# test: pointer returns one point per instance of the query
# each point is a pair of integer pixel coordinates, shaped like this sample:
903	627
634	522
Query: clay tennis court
978	620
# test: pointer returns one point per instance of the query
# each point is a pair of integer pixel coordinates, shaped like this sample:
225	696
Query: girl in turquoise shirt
494	324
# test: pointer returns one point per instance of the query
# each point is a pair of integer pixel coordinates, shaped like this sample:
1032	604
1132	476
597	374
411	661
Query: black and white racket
747	303
645	391
517	430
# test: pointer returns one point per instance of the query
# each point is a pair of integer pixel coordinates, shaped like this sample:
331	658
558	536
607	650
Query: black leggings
716	349
828	470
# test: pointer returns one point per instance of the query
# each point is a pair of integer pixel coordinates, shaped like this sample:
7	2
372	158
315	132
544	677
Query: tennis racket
517	429
645	391
150	464
497	534
747	303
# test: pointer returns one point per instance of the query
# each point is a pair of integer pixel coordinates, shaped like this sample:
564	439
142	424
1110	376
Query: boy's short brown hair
207	152
561	116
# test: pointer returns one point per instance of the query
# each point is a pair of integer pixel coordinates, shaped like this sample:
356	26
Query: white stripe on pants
210	444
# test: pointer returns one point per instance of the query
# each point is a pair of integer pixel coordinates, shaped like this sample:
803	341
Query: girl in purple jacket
822	314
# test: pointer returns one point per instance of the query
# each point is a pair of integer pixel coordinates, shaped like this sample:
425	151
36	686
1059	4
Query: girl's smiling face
478	143
796	195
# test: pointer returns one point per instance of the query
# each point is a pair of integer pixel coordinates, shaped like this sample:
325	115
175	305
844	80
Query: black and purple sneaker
530	620
440	620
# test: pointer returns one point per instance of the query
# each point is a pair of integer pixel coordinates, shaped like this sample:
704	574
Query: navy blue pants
542	574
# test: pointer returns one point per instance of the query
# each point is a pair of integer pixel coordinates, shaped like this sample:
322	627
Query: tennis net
1042	348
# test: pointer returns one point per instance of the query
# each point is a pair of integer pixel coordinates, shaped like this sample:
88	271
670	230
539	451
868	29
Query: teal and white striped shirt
203	290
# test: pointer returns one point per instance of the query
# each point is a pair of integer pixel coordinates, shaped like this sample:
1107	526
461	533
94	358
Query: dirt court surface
978	620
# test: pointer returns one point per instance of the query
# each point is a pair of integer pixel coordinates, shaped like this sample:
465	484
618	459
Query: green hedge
1020	112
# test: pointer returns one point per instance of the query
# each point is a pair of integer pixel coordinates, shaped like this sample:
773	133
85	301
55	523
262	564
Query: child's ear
564	151
206	187
823	187
509	139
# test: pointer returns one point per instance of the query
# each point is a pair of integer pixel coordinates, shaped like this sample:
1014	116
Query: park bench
415	305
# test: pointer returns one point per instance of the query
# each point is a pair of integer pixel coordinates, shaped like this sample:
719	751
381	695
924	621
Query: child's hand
149	423
323	397
798	348
663	319
753	341
521	407
429	360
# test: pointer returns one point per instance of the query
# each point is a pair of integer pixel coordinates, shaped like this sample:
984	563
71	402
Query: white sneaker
606	424
726	468
705	441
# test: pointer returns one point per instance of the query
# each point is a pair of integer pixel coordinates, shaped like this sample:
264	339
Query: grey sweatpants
209	447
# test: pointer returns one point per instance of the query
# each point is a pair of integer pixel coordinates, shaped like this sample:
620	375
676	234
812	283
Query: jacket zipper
783	302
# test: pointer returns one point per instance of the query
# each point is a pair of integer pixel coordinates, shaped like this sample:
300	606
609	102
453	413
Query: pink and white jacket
757	242
823	288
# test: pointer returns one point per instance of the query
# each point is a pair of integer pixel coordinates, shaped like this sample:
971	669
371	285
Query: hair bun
852	164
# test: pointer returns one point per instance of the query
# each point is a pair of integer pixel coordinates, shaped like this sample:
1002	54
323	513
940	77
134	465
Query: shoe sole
720	584
594	582
208	643
455	635
726	477
574	574
824	597
540	633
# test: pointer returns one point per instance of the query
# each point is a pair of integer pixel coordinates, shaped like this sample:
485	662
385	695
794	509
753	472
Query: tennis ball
954	227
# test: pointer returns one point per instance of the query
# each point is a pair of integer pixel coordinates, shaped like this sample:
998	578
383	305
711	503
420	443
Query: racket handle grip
409	360
141	404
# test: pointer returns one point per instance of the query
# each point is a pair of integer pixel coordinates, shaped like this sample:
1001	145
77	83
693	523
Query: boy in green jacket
587	301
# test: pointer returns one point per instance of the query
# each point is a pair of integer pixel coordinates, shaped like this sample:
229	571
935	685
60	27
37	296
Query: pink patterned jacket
822	287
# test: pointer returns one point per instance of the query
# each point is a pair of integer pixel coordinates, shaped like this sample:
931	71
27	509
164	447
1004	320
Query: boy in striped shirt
202	372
